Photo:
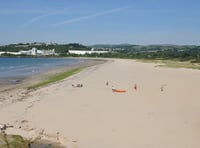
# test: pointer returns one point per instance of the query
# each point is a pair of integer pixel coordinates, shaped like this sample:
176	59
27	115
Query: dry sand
95	117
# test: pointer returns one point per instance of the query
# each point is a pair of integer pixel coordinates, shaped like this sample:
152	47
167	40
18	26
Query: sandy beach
162	112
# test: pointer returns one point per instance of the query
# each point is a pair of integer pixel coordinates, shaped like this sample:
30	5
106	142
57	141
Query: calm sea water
23	67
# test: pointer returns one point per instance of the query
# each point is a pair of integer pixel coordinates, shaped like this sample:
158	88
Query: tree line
152	52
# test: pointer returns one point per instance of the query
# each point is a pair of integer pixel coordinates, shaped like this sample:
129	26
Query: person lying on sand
77	85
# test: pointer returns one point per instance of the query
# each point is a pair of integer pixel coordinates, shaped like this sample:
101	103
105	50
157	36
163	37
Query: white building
13	53
34	51
82	52
2	52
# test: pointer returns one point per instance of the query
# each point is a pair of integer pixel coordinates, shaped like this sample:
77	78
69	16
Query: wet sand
163	110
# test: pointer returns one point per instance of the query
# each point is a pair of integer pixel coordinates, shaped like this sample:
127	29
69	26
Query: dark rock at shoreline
14	82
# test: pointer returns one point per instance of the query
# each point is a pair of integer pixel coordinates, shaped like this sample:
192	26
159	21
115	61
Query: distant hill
169	52
133	47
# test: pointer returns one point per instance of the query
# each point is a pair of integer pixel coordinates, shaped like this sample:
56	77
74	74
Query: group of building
82	52
32	52
35	52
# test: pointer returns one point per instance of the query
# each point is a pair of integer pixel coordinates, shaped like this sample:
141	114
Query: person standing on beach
135	87
162	88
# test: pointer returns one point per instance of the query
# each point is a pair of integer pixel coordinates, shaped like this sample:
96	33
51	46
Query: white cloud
40	17
74	20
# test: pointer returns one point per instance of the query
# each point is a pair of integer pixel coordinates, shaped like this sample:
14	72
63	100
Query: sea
14	69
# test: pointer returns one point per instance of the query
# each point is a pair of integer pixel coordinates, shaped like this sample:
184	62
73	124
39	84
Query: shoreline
8	91
12	81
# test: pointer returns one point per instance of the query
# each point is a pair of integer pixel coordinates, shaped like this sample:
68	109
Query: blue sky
104	21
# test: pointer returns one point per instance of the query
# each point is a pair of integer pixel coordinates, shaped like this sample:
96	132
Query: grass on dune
174	63
185	64
55	78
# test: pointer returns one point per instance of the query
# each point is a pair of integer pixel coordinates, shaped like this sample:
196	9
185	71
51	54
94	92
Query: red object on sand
119	90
